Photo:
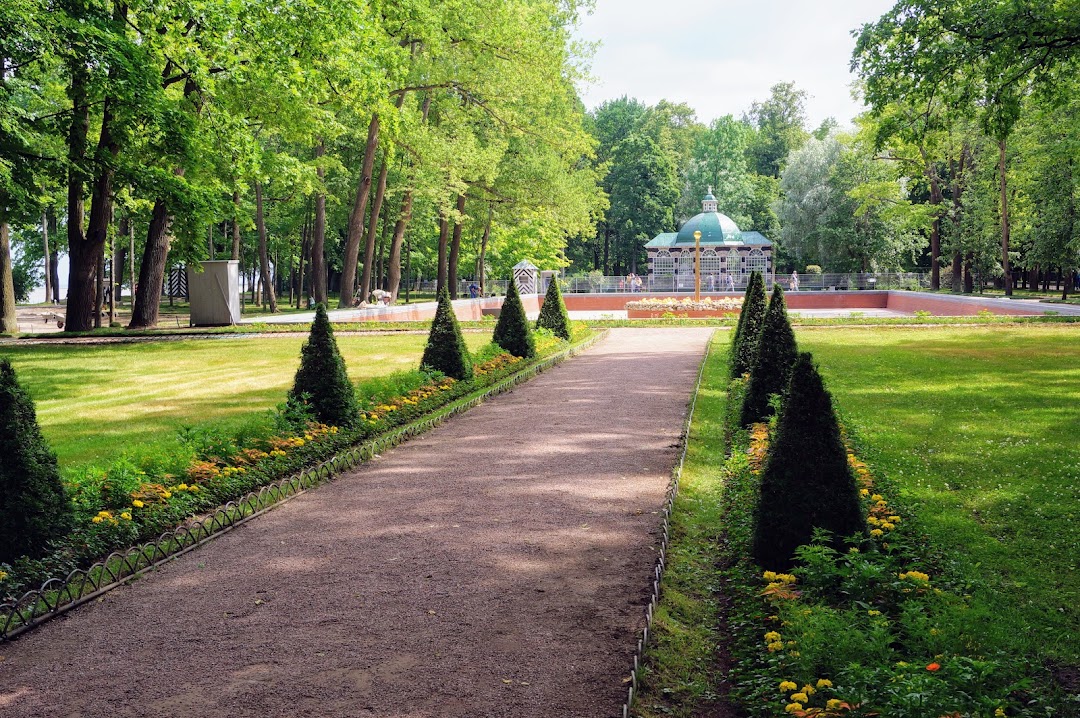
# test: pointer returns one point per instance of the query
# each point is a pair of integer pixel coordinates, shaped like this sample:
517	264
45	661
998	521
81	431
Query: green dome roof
714	228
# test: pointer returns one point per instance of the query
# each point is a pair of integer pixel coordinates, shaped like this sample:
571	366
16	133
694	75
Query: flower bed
873	631
656	308
132	501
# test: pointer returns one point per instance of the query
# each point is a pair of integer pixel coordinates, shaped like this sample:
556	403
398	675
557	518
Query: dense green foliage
776	354
270	133
751	317
33	506
807	484
553	314
446	351
512	331
321	382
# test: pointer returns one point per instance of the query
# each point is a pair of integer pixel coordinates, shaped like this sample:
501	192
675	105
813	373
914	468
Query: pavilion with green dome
725	251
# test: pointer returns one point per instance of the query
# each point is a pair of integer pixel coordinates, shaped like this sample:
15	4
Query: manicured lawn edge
59	595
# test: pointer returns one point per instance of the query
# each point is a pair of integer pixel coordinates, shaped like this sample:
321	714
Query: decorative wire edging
59	595
661	562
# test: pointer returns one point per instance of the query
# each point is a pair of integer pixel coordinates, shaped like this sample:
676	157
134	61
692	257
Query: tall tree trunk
969	279
304	245
131	260
373	223
1004	219
482	269
607	248
394	262
45	246
455	247
77	134
444	238
99	287
356	217
235	225
54	262
147	296
935	234
957	270
9	323
264	256
147	302
318	241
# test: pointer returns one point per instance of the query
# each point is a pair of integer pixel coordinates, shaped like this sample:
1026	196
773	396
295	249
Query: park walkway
496	566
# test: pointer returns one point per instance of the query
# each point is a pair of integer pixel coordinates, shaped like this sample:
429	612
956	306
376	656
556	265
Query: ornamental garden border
58	595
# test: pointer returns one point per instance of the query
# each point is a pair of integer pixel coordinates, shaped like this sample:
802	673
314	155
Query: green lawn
981	428
96	402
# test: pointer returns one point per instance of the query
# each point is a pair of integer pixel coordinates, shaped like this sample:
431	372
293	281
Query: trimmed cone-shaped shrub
446	350
807	483
776	353
322	376
751	317
33	505
553	314
512	331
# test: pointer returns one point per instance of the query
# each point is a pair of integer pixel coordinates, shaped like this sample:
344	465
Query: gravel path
497	566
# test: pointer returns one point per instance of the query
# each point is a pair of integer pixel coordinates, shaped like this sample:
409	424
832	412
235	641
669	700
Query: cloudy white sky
719	56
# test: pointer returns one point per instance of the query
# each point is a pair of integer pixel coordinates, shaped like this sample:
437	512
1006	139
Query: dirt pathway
497	566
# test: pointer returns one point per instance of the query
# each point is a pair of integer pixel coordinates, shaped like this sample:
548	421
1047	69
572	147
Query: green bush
321	381
776	353
445	350
744	343
33	505
512	331
553	314
807	483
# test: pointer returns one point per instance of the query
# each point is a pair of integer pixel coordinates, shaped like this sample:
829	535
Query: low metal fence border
59	595
661	561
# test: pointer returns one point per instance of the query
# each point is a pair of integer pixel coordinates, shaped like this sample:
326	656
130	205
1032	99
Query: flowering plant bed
655	308
128	502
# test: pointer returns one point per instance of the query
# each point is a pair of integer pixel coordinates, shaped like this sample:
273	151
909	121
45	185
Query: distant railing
684	283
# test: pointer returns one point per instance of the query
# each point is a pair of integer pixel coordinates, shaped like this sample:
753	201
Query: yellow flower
877	497
137	504
809	689
299	442
864	492
917	575
792	707
873	520
166	494
104	514
97	519
776	646
785	578
182	487
3	575
999	713
833	704
799	697
126	516
873	613
786	686
824	683
876	533
894	519
769	575
772	637
194	487
888	526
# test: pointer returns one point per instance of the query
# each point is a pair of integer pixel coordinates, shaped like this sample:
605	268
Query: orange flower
933	667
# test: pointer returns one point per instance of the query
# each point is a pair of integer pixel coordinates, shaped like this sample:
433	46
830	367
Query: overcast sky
719	56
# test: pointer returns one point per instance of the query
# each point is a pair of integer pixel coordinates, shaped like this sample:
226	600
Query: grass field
981	428
97	402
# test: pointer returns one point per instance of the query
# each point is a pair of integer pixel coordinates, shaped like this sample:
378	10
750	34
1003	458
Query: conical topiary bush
512	330
553	314
807	483
776	353
445	350
321	380
751	317
33	505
